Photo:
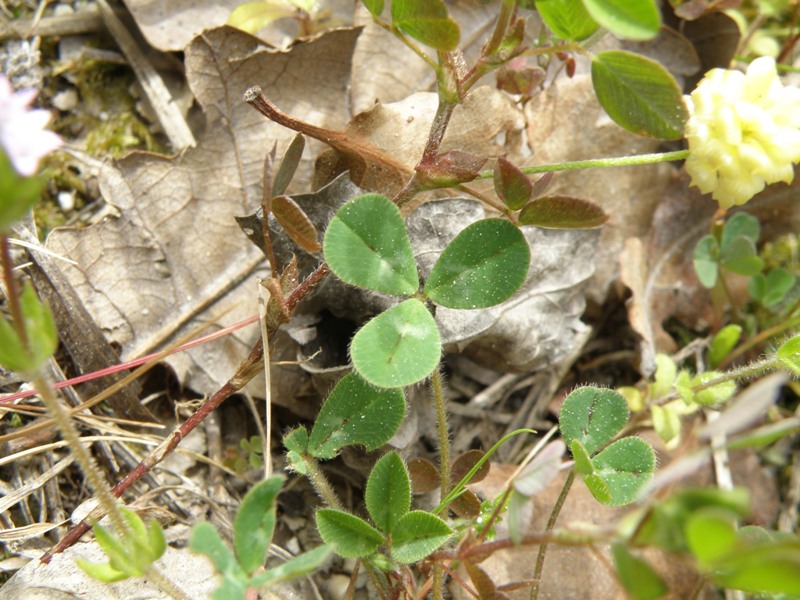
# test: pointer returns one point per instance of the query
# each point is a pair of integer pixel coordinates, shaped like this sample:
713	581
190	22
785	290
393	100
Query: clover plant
406	535
366	245
614	472
484	265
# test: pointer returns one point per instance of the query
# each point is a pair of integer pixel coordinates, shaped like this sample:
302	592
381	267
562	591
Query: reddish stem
136	362
12	292
246	371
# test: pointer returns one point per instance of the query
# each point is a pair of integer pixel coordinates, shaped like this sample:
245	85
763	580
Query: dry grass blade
20	493
160	98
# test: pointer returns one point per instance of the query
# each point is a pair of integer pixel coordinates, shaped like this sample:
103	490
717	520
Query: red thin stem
12	291
246	371
133	363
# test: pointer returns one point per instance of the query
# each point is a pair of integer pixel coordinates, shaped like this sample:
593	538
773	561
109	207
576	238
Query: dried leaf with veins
175	256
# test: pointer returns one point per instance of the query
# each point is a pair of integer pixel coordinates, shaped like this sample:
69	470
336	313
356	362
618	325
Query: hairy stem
621	161
482	65
321	483
762	337
437	389
12	290
444	435
551	523
58	412
165	584
90	470
438	582
744	372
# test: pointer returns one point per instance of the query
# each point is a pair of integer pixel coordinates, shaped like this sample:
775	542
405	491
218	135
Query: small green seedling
249	454
614	473
253	528
131	553
400	534
769	289
734	251
693	390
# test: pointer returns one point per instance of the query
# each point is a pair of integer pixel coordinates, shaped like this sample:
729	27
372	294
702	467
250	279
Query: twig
168	113
551	523
87	20
248	369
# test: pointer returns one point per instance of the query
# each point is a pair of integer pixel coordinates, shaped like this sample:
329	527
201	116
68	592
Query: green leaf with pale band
398	347
639	94
366	244
356	413
483	266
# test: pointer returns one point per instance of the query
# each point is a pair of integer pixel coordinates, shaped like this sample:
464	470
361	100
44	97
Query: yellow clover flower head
743	132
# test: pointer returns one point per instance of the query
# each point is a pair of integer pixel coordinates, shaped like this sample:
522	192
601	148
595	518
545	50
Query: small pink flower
23	136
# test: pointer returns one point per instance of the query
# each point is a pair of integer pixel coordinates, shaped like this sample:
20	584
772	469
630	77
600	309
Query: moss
783	252
106	115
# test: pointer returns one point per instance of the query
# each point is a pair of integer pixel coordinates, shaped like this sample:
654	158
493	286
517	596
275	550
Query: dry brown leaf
658	267
310	82
659	272
175	256
170	26
400	130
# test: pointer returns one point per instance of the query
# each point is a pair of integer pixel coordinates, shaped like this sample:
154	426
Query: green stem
722	283
621	161
407	41
59	414
165	584
507	9
444	436
762	337
744	372
62	419
69	432
551	523
438	582
321	483
12	291
482	65
457	490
